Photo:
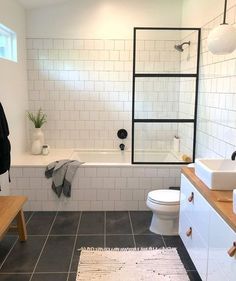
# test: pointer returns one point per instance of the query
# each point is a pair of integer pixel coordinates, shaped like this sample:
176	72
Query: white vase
37	141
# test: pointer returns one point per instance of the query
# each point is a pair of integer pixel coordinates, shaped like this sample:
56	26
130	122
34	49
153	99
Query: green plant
38	119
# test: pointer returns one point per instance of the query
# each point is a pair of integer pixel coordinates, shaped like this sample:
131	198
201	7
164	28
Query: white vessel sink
218	174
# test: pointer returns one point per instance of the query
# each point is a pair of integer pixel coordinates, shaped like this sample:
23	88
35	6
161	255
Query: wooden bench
10	209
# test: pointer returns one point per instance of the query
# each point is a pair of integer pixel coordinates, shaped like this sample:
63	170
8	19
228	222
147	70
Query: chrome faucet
122	146
233	156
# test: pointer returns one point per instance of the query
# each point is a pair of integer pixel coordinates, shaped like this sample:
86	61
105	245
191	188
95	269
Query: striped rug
131	265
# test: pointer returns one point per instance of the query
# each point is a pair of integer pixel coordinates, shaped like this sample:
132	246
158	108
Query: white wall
197	13
13	79
101	19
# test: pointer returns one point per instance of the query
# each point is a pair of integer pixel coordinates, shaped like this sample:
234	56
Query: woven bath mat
131	265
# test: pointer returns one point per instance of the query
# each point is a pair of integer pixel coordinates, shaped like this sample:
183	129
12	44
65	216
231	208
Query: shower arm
186	43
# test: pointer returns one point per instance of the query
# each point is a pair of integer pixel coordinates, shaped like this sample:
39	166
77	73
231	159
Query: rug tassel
122	249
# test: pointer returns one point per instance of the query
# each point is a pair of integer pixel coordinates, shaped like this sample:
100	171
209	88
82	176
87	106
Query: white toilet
165	207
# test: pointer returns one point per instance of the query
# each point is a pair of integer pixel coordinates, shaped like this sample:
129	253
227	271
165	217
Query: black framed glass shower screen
157	51
165	88
164	98
157	142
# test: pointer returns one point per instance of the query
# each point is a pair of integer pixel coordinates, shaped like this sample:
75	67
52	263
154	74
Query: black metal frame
194	75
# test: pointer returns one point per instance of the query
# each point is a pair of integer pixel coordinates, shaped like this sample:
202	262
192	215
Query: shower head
179	47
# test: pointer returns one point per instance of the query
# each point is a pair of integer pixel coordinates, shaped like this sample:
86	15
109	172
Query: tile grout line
13	273
8	253
164	242
105	227
132	230
43	246
17	238
40	272
30	218
71	235
60	235
74	246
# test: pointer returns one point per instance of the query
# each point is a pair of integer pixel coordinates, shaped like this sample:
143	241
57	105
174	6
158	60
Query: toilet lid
167	197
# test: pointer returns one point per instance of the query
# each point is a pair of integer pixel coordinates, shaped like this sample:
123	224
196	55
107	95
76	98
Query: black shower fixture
179	47
122	134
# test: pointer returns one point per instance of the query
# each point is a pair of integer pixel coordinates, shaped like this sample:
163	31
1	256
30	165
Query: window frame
10	45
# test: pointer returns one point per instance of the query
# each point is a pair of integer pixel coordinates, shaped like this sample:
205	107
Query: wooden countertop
224	209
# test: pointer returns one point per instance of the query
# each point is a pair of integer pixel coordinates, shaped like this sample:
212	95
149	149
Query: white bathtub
106	181
101	157
121	157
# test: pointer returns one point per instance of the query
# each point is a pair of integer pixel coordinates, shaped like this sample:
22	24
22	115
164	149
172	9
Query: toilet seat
164	197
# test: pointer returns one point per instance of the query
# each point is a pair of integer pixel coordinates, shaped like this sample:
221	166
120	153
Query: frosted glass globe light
222	39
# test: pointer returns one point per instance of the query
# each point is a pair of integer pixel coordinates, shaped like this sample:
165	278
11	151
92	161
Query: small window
8	47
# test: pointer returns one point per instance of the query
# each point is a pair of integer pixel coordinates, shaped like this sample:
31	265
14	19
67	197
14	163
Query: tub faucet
233	156
122	146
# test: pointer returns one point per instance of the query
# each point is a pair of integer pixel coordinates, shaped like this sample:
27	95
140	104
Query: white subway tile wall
157	55
157	98
216	130
187	92
94	188
84	86
155	136
216	119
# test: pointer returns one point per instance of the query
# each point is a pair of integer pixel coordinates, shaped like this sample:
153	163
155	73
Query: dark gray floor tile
85	241
119	241
23	256
57	254
72	277
118	223
141	222
15	277
50	277
40	223
27	215
176	242
92	223
5	246
194	276
146	241
66	223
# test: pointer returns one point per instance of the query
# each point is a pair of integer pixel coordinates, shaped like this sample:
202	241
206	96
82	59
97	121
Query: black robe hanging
5	146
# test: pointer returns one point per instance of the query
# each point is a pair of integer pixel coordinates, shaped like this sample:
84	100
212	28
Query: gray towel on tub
62	173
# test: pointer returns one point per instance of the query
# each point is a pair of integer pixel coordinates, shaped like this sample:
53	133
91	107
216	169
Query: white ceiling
29	4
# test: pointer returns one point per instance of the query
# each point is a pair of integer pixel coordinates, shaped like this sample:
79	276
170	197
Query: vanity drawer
221	238
212	243
194	244
194	207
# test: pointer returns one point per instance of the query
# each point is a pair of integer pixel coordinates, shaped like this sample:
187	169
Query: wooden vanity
208	228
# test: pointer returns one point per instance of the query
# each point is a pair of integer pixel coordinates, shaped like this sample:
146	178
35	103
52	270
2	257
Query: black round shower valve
122	134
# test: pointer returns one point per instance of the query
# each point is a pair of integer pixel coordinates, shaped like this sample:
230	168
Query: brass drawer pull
232	250
189	232
191	197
